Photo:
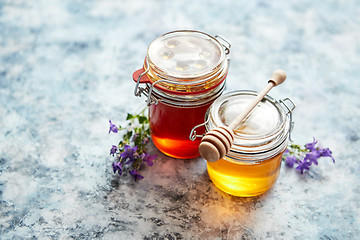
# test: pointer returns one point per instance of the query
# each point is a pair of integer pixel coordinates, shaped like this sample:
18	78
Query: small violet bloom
133	158
113	150
148	158
136	174
117	166
113	128
290	161
303	165
325	152
311	146
313	157
129	153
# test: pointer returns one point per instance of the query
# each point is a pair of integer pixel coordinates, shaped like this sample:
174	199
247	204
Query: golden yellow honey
244	178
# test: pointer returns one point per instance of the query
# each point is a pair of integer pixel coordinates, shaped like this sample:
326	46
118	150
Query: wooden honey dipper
217	142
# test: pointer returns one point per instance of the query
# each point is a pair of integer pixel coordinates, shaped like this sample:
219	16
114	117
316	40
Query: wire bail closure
290	111
138	90
193	134
147	91
222	40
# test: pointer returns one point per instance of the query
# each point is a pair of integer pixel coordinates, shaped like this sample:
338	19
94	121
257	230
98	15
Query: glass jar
253	163
183	73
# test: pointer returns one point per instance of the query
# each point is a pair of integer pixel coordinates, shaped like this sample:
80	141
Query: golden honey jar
252	165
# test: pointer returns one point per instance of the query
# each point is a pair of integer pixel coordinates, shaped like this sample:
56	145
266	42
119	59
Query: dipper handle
277	78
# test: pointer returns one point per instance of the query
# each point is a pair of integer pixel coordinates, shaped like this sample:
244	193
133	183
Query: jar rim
187	51
169	86
167	75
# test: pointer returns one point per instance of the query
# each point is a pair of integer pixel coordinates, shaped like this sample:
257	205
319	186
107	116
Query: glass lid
263	124
185	54
264	118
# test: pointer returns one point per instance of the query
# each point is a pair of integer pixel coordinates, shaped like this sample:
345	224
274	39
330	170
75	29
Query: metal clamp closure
138	90
150	86
147	92
193	134
289	113
223	40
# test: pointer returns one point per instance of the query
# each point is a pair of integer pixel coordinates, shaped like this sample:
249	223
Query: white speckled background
65	70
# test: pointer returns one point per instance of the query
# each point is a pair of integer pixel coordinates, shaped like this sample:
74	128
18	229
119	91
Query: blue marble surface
65	70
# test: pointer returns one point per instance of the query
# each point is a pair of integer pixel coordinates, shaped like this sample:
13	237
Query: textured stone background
65	70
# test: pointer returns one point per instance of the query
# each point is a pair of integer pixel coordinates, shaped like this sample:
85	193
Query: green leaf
127	136
142	119
129	116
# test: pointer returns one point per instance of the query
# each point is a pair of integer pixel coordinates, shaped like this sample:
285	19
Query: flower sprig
130	153
303	157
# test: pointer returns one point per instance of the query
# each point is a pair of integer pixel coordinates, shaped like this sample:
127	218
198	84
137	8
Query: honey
170	128
183	72
253	163
244	178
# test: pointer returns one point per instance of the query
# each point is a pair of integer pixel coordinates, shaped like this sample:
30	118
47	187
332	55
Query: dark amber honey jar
183	73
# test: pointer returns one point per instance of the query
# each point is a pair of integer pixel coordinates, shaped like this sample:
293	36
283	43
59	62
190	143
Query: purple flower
311	146
313	156
148	158
303	165
325	152
290	161
136	135
117	166
145	141
305	156
136	174
129	153
113	150
113	128
133	158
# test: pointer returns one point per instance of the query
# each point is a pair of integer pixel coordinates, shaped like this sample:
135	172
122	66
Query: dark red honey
171	126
